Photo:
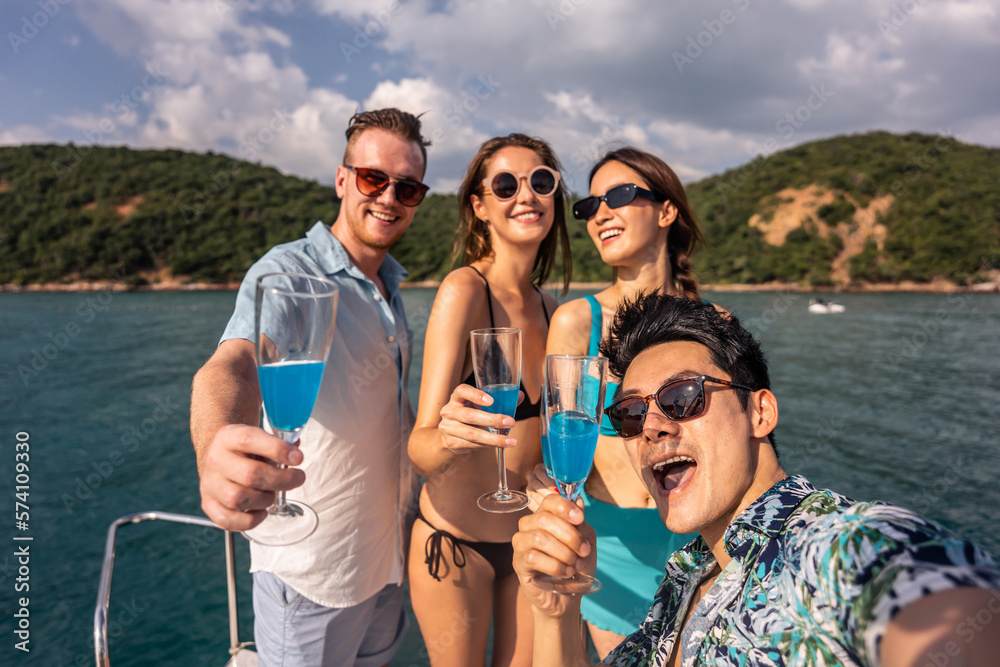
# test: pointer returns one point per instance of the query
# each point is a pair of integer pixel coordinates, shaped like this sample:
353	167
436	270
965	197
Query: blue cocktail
572	400
496	360
572	441
546	455
504	399
295	316
289	390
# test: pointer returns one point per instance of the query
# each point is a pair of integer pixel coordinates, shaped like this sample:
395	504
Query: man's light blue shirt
358	475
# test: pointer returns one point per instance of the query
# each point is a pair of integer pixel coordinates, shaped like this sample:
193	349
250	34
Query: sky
706	86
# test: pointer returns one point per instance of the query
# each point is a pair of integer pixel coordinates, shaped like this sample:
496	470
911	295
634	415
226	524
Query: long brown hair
685	233
472	239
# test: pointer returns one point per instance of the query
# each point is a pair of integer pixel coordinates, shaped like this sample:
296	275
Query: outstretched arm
556	541
238	480
945	628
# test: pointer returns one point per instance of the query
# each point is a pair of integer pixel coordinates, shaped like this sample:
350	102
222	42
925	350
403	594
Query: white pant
293	631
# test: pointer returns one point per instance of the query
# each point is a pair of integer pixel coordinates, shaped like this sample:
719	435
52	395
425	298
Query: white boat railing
104	591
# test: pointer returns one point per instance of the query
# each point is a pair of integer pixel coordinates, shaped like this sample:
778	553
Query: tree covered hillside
888	207
875	207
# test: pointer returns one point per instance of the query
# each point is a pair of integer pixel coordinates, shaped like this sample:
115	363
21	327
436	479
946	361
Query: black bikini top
526	409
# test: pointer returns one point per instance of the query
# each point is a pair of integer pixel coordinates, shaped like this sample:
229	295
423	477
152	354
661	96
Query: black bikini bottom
500	555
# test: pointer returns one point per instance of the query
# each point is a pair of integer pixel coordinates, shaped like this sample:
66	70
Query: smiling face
704	471
634	232
376	223
524	218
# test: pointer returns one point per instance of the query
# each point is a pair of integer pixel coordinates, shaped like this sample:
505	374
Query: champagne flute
543	433
496	359
294	316
573	401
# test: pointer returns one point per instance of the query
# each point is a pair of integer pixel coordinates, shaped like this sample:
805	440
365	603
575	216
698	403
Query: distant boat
823	306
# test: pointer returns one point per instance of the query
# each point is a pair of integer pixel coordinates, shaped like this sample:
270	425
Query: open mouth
610	233
673	474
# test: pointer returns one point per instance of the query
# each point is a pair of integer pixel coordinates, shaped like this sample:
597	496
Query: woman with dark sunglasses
511	224
639	219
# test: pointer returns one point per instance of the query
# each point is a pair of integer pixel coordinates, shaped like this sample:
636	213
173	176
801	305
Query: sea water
107	407
572	441
289	390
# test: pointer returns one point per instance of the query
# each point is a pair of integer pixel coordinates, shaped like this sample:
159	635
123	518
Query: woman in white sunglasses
639	218
511	228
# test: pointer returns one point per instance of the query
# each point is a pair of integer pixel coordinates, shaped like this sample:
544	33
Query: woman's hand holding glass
464	426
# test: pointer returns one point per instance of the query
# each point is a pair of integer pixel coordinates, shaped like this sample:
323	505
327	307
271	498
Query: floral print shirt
814	580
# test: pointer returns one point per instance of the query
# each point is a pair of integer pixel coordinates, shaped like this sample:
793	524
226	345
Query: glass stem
502	471
570	491
290	438
279	502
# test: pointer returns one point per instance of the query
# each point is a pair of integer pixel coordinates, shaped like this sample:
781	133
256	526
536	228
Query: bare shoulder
460	289
573	314
463	278
569	330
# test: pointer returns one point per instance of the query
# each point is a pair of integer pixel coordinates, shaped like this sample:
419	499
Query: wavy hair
472	239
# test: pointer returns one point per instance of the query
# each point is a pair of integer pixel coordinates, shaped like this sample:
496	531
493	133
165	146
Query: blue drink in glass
294	316
496	361
572	441
504	399
571	409
289	390
546	456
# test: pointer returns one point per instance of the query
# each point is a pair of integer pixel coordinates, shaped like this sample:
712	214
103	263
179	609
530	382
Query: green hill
875	207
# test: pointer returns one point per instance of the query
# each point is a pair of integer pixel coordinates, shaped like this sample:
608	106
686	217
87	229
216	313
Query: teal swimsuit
633	545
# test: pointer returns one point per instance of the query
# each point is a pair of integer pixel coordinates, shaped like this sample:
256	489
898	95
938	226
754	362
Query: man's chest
770	620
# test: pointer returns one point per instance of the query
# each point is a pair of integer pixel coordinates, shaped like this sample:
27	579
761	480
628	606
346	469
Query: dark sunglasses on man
678	400
505	185
616	197
372	183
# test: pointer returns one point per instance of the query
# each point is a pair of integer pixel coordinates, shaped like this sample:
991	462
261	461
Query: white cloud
585	76
223	89
448	120
23	134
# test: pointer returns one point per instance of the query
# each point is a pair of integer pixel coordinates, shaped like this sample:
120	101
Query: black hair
653	318
685	233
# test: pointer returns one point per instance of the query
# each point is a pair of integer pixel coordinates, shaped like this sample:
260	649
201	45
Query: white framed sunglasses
505	185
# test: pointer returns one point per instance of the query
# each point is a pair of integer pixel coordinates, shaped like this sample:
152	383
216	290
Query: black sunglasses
679	400
372	183
542	180
616	197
